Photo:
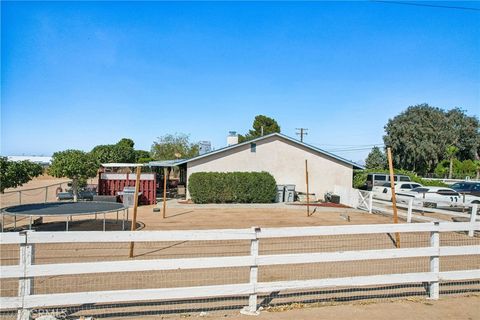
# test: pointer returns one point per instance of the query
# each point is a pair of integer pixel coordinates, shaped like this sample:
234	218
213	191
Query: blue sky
74	75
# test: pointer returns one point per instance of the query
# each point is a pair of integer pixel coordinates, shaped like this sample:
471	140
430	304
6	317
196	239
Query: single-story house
281	156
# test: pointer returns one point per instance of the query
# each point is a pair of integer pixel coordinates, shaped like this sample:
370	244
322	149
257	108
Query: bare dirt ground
456	308
467	308
211	217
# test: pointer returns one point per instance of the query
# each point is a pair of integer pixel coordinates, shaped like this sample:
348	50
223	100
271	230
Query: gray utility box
335	199
280	197
290	193
128	194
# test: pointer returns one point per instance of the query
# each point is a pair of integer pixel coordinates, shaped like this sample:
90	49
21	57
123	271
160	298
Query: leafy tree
121	152
177	146
451	152
463	132
142	154
460	169
268	124
420	135
15	173
376	159
477	166
73	164
126	142
468	168
441	170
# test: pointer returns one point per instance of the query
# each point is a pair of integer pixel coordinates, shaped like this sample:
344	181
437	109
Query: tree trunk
450	169
75	190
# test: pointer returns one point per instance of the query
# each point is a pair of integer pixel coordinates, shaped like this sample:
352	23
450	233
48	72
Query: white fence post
25	285
252	299
434	287
370	202
473	217
409	211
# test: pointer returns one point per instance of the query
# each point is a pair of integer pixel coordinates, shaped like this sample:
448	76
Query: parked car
378	179
384	191
469	191
83	194
431	197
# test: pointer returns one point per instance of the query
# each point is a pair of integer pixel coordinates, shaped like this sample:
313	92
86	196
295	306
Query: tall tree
420	135
376	159
451	151
261	125
15	173
121	152
126	142
73	164
142	156
463	132
170	147
477	168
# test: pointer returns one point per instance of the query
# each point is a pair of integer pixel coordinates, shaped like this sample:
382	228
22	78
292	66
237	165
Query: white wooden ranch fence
26	271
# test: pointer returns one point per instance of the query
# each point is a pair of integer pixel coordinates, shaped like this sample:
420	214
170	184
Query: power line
349	145
346	150
351	150
427	5
301	132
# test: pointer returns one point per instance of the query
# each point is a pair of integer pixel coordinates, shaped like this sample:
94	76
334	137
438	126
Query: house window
253	147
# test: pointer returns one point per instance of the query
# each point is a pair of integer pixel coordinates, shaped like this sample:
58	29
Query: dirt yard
460	308
187	217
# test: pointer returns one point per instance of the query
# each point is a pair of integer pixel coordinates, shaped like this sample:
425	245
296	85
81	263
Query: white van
378	179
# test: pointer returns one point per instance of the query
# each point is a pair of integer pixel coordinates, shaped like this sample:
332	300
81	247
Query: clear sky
74	75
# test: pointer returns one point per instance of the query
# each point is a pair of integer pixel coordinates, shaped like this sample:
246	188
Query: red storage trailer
109	184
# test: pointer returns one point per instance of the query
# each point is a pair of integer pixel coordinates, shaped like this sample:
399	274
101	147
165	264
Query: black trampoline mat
63	208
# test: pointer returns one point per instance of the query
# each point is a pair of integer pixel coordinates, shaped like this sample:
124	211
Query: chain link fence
34	195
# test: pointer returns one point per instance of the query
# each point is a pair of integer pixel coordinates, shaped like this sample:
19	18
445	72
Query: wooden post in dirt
394	199
135	205
306	180
164	213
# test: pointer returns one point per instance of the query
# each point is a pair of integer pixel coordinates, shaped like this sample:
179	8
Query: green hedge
232	187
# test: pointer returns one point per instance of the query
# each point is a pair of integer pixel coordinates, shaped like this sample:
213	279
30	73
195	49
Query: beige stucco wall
285	160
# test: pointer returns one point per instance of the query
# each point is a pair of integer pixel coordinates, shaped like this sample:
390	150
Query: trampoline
66	210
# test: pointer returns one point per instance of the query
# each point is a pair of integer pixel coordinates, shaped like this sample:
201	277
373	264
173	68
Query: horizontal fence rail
27	270
417	209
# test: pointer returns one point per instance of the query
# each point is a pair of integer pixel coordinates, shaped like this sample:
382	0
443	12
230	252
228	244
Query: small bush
232	187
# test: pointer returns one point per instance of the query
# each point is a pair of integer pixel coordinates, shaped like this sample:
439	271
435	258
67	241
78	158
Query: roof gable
326	153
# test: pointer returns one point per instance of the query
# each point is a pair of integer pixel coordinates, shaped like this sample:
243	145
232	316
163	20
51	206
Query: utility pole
301	132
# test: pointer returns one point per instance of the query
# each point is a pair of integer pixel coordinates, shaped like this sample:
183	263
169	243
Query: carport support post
434	287
473	217
135	206
252	299
164	192
25	285
306	180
